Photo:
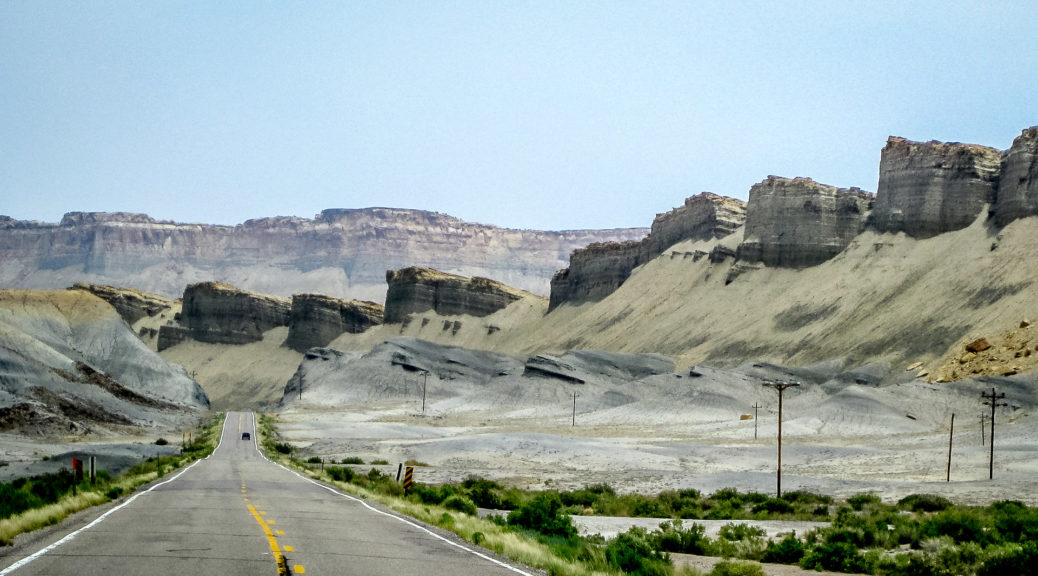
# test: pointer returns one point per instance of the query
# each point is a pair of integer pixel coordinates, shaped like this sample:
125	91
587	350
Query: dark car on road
246	436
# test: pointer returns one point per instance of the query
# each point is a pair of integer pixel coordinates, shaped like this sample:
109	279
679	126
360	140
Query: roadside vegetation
921	535
32	503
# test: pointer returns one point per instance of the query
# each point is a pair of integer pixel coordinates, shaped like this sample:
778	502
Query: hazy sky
548	115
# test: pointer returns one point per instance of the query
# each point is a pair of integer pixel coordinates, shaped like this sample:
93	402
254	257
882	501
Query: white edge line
69	537
395	517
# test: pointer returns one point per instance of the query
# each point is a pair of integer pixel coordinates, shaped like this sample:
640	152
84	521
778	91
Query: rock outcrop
343	253
1018	184
222	314
131	304
929	188
798	222
70	364
599	269
316	319
415	289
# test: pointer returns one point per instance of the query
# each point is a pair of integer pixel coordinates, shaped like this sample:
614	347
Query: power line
781	386
993	401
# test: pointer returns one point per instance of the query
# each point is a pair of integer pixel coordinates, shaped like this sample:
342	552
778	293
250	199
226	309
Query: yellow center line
289	549
271	540
299	569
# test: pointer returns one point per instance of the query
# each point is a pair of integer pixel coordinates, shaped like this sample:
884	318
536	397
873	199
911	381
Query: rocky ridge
130	303
316	319
599	269
925	189
416	289
342	253
219	313
799	222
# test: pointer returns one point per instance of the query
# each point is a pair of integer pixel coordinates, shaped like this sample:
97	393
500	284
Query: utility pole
993	401
951	432
574	408
425	384
781	386
756	405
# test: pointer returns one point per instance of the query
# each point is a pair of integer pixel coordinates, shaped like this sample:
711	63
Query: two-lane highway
236	513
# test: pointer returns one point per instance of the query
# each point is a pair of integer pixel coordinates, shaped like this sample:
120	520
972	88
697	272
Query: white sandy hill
69	363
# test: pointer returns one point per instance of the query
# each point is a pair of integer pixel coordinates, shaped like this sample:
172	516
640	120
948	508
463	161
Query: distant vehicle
246	436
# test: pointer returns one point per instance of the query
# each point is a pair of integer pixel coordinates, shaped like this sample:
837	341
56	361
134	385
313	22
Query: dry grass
47	515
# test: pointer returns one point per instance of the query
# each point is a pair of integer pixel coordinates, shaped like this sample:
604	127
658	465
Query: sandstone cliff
798	222
343	253
929	188
419	289
316	319
599	269
131	304
222	314
1018	184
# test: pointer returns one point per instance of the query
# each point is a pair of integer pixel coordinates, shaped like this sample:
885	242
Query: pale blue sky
548	115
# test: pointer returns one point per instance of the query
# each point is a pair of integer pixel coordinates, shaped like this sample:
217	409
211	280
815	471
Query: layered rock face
415	289
131	304
1018	184
799	222
222	314
598	270
343	253
316	319
929	188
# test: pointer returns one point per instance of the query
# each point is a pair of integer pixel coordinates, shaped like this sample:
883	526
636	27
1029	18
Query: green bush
461	504
114	493
835	557
354	460
672	536
1012	561
161	442
859	501
314	460
773	506
736	568
483	492
789	550
543	514
959	524
924	503
379	462
631	553
339	474
283	447
738	531
1014	521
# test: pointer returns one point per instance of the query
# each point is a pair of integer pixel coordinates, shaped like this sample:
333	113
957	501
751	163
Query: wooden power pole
993	401
781	386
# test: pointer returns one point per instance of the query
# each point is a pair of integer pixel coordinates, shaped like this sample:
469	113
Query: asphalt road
236	513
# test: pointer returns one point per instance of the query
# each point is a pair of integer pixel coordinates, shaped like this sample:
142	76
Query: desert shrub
724	510
860	501
354	460
672	536
283	447
773	506
1014	521
835	557
379	462
483	492
788	550
1011	560
460	503
587	496
340	474
413	462
114	493
740	531
805	497
736	568
924	503
161	442
313	460
543	514
961	525
631	553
